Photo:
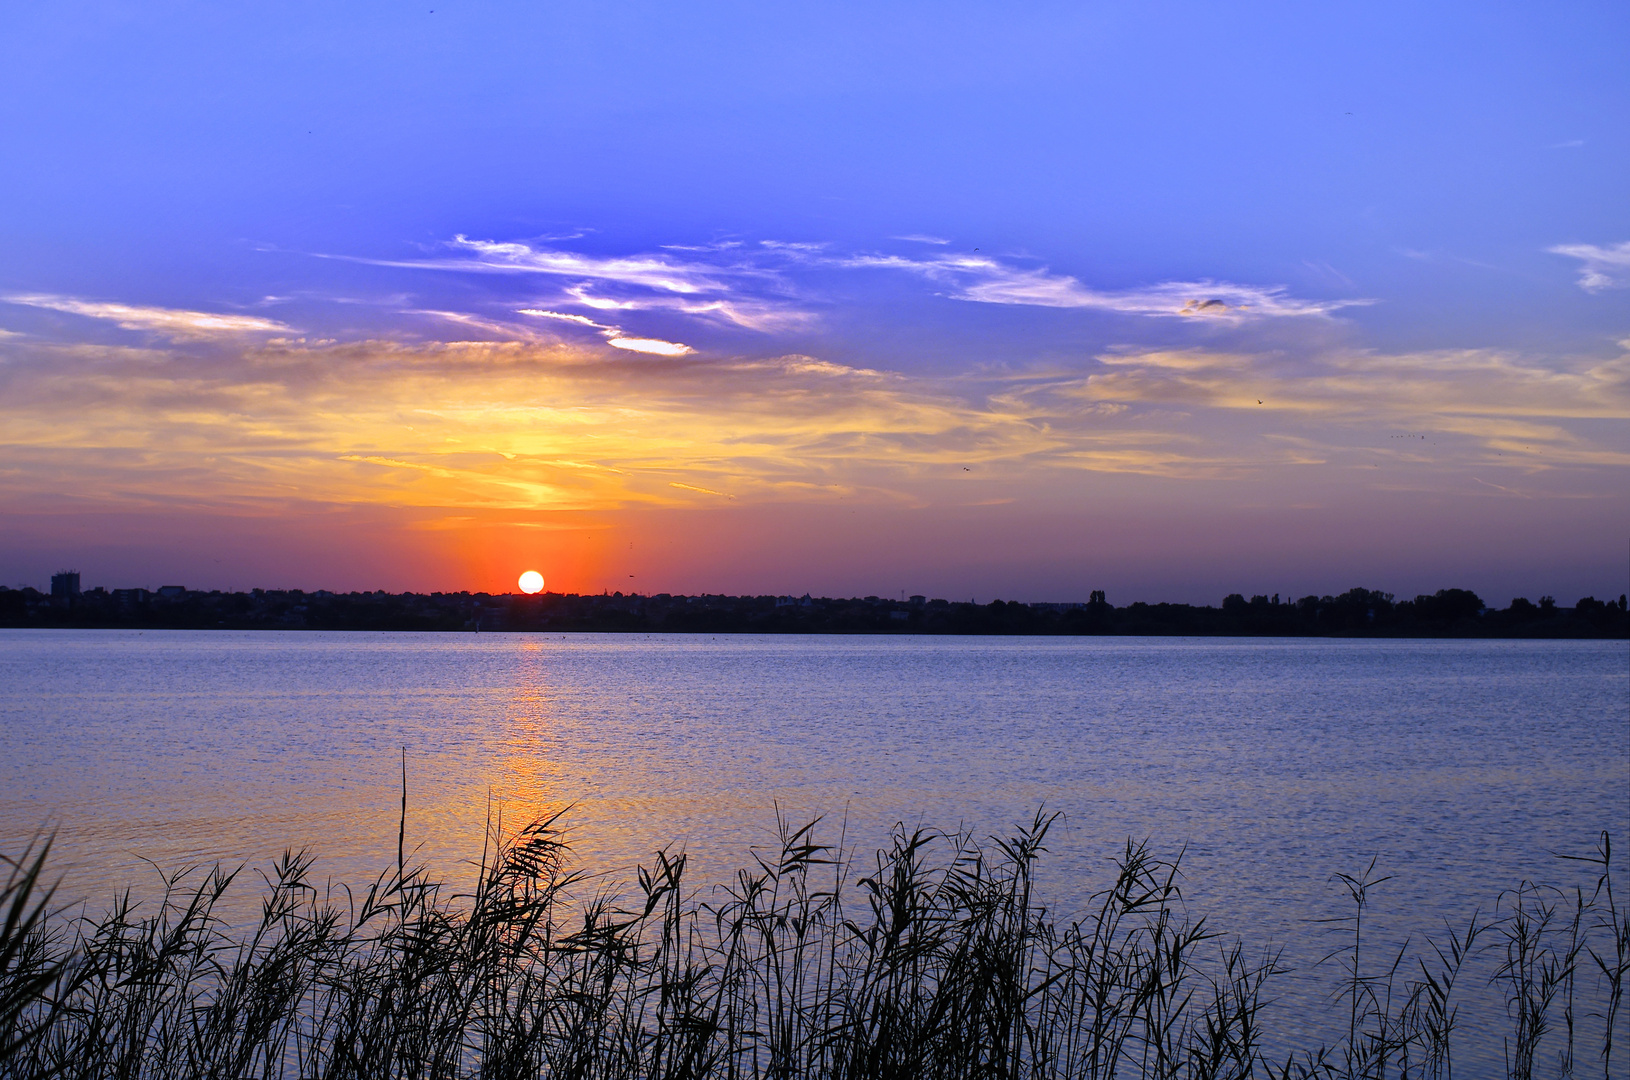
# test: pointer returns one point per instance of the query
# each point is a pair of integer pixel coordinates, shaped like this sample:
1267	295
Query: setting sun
531	582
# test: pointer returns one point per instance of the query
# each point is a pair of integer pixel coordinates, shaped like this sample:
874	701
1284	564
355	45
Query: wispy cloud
693	487
651	346
1407	389
989	280
768	286
731	289
580	320
173	323
545	425
1603	267
748	312
614	334
501	330
656	272
648	271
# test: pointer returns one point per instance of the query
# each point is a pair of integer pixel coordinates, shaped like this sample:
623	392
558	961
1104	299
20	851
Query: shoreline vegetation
1449	613
930	958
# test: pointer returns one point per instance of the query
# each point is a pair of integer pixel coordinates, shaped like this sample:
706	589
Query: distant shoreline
1449	613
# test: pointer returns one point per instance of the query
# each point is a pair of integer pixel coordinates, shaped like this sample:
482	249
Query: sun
531	582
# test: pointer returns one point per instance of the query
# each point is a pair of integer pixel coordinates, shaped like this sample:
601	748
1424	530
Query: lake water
1464	766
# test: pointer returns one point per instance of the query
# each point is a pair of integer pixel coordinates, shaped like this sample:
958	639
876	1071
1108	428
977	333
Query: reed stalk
932	957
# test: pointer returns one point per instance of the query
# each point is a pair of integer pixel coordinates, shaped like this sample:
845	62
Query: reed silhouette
932	957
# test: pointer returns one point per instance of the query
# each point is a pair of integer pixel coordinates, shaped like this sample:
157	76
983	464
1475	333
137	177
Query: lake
1463	767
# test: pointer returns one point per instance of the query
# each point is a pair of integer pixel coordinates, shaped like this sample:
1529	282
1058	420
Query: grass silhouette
930	958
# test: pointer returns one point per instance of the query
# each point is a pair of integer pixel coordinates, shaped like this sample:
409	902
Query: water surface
1464	766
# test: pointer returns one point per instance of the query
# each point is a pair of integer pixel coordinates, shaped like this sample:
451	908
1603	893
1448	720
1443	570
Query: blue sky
1059	247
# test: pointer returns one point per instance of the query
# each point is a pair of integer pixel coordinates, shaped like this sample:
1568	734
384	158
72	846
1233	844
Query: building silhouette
65	585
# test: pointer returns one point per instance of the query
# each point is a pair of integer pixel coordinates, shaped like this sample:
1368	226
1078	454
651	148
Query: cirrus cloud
1601	266
614	334
989	280
650	346
773	286
174	323
543	426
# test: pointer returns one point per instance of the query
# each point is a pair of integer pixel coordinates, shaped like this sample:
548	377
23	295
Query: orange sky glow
455	464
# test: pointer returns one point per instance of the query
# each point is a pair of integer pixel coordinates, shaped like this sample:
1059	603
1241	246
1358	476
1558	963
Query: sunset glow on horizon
951	307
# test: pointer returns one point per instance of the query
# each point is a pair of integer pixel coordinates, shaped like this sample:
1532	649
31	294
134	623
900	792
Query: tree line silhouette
1355	613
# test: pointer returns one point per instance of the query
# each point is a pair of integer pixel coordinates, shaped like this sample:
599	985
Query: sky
973	300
